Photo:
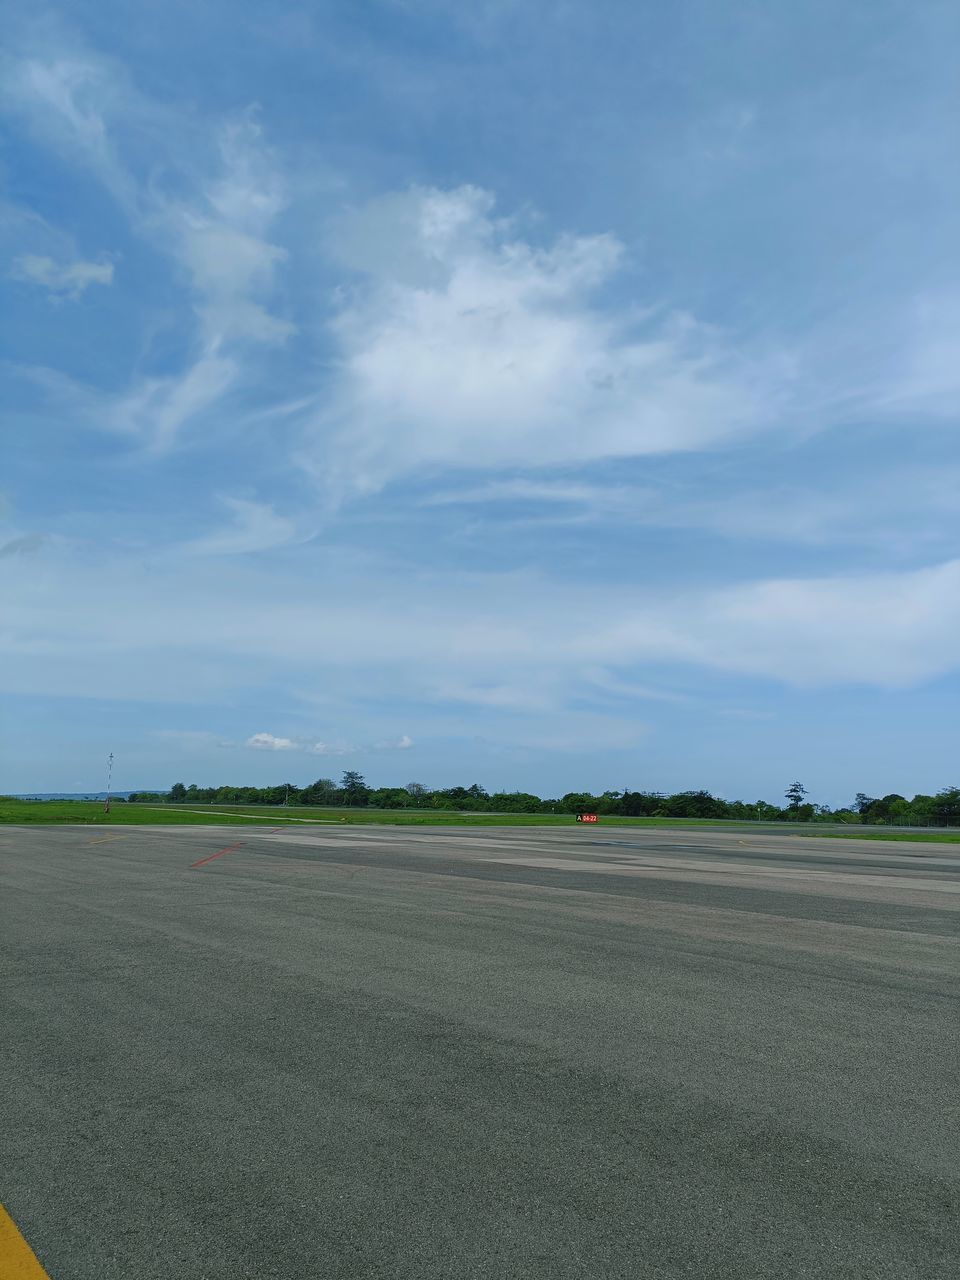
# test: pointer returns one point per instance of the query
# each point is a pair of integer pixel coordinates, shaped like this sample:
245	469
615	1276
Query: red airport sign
586	817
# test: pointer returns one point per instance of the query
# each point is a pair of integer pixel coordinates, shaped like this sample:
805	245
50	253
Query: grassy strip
452	818
91	812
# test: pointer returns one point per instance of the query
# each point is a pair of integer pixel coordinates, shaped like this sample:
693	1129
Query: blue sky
553	396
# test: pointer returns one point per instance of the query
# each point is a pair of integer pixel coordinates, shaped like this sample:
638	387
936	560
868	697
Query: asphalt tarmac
454	1053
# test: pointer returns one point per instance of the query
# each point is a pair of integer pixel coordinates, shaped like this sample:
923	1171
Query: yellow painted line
17	1259
102	840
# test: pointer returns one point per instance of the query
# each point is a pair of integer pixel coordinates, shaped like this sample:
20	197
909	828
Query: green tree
693	804
796	794
515	802
453	798
880	812
640	804
578	802
354	788
178	793
946	810
862	802
323	791
900	811
921	810
389	798
609	802
847	816
764	811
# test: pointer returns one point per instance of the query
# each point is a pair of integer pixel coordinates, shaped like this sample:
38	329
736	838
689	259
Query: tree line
941	809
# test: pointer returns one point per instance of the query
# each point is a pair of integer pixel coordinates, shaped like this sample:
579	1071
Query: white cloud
885	629
906	511
267	742
604	681
68	280
227	266
539	694
524	491
369	634
255	527
888	629
469	347
219	236
157	408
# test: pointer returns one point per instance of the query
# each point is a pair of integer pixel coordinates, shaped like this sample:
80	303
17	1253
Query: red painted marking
219	854
229	849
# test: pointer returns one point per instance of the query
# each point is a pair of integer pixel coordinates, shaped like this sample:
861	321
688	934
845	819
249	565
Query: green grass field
91	812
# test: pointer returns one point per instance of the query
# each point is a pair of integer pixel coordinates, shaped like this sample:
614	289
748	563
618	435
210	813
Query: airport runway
451	1053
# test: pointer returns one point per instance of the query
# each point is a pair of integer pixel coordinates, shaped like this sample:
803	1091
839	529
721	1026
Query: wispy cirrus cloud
255	526
66	279
310	746
210	215
905	510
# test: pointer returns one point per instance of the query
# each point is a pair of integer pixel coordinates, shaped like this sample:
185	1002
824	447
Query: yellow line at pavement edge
17	1259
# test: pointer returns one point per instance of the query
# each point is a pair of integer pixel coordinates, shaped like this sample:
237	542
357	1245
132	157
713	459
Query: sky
555	396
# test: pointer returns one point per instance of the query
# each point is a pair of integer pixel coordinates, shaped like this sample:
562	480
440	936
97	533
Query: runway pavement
442	1053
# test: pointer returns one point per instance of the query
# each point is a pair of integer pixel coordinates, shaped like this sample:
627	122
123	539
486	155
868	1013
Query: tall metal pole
106	807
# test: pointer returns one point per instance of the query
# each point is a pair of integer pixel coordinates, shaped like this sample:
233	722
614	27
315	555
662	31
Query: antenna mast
106	806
